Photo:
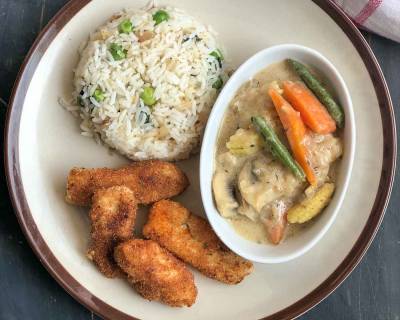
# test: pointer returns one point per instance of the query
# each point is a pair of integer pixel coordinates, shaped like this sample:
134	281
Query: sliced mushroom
245	209
224	183
223	194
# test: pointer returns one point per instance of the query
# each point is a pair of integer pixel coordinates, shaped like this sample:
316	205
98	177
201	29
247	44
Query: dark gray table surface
27	291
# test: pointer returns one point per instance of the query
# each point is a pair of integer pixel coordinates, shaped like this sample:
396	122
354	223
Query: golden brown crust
150	181
191	239
112	216
155	273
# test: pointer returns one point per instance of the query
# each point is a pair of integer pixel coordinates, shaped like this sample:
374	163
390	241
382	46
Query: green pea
118	52
160	16
125	26
98	95
148	96
218	83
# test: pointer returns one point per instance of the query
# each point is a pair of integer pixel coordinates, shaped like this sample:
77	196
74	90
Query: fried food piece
150	181
191	239
112	216
155	273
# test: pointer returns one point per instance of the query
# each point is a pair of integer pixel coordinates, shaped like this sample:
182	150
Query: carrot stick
313	113
275	230
295	132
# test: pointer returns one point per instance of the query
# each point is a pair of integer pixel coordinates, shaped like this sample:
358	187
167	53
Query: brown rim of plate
80	293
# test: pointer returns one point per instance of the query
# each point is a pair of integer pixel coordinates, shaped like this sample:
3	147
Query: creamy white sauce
267	184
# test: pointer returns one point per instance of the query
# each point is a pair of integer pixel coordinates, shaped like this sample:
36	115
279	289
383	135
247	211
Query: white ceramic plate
43	142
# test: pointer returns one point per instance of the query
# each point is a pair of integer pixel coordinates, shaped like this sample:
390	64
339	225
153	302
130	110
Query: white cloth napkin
379	16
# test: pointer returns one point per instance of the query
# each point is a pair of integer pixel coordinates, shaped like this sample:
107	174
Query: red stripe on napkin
367	11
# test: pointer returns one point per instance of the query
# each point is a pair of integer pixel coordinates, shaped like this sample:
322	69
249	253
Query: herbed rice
175	60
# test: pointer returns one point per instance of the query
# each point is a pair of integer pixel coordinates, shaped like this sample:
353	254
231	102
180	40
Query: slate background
27	292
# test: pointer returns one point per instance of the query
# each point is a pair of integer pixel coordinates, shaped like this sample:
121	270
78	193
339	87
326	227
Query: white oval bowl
303	241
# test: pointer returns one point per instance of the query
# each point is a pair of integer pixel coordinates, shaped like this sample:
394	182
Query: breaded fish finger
155	273
112	216
191	239
150	181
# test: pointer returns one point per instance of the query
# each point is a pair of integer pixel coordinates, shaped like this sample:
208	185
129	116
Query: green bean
160	16
276	147
334	109
148	96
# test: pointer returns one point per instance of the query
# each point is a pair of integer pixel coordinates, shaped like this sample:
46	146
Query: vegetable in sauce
244	142
320	91
311	207
277	148
313	113
295	132
276	224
